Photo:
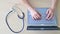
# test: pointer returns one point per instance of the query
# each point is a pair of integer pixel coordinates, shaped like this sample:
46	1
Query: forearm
53	3
27	4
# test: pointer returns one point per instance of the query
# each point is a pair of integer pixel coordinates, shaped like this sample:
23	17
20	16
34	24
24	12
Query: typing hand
50	13
35	15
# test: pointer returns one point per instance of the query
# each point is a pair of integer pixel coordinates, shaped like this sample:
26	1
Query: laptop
42	24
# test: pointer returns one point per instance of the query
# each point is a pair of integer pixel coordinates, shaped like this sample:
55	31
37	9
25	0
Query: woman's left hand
50	13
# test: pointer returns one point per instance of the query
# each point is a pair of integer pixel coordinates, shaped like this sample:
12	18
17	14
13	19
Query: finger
32	17
47	11
39	17
50	16
35	17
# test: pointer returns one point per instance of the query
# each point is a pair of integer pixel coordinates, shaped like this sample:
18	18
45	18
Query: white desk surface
6	5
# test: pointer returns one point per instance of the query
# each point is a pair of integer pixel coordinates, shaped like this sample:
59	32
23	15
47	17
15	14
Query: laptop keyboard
43	21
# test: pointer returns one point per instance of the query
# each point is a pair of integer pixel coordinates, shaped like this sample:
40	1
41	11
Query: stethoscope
20	17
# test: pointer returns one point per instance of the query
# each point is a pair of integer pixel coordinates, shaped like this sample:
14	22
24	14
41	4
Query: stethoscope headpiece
19	12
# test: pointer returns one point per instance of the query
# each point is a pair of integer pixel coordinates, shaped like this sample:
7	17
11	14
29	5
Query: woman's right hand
35	15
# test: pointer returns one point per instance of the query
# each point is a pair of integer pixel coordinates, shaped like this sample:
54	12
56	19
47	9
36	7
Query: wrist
52	8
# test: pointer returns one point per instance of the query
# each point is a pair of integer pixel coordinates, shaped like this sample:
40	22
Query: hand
35	15
50	13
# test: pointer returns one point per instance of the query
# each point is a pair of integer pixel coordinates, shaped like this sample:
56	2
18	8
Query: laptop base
42	28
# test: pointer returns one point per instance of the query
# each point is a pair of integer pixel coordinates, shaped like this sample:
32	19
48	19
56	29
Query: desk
6	5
